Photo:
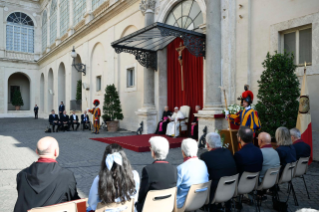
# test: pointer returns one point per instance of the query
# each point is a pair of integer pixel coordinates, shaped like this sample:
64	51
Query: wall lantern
80	67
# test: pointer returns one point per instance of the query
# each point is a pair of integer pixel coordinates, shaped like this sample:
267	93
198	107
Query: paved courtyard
18	138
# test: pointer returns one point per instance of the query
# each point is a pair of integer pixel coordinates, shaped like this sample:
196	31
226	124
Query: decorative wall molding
147	5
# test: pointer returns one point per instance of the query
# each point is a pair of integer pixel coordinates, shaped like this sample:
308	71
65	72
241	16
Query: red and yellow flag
304	116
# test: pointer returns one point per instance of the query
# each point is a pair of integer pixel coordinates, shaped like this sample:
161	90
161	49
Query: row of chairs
228	188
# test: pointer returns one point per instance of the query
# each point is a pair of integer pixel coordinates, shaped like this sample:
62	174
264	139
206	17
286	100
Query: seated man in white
192	171
173	126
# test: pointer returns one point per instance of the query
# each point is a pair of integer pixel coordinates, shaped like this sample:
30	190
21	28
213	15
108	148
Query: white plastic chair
160	200
248	183
126	207
72	206
286	177
301	169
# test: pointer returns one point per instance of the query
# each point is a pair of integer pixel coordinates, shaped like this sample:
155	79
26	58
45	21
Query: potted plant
112	108
17	100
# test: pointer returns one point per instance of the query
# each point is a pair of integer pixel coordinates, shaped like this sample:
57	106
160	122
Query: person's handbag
48	130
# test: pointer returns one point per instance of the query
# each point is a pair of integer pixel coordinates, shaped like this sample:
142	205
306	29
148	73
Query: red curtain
193	78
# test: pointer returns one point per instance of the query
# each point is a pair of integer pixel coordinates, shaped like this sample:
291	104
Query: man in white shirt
173	126
74	120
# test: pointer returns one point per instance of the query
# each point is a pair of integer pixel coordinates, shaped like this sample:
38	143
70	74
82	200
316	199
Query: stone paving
18	138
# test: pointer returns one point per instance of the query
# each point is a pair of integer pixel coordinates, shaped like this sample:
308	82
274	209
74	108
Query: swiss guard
247	117
96	116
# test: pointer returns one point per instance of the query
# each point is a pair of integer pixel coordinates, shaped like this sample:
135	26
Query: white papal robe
173	127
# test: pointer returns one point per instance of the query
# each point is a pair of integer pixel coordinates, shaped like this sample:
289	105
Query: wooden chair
160	200
127	207
186	111
72	206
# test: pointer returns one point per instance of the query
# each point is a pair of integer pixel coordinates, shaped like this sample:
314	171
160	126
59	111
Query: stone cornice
109	13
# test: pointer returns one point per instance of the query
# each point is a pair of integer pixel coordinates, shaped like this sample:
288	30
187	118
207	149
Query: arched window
96	3
186	15
44	30
64	16
78	10
53	21
20	33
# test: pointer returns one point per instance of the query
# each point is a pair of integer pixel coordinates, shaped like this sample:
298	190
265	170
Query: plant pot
112	126
17	107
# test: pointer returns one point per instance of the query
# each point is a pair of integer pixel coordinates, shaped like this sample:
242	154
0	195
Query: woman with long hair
116	182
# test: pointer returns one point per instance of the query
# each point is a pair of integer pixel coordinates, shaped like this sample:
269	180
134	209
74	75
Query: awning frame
194	42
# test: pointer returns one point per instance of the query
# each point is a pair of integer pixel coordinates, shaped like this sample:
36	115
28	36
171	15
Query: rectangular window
130	77
13	88
98	83
299	42
79	10
96	3
64	16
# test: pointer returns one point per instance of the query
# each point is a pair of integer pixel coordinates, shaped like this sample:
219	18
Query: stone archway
19	81
41	106
61	83
50	91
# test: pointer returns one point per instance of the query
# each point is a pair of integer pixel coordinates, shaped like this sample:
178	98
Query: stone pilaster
48	31
212	75
58	26
2	35
89	13
148	113
71	23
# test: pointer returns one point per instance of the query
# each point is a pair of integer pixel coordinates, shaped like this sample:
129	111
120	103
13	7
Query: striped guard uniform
247	117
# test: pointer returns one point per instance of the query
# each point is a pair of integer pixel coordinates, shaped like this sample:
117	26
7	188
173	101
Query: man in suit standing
61	109
158	175
302	149
65	122
74	119
36	109
85	120
250	157
54	121
220	163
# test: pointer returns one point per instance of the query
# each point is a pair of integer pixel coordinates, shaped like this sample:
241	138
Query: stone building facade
37	38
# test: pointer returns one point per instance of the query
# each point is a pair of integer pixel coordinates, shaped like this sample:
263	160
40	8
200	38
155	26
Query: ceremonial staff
230	131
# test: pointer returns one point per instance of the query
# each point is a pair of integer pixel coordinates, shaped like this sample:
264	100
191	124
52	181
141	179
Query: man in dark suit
302	149
45	182
85	121
158	175
61	109
36	109
219	162
74	119
65	122
250	157
194	125
54	121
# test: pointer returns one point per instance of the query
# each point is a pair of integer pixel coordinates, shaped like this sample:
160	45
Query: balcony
21	56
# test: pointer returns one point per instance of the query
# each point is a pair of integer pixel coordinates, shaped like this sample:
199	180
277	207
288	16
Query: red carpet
138	143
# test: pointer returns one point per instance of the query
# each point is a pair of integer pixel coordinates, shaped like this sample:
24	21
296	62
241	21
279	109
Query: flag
304	117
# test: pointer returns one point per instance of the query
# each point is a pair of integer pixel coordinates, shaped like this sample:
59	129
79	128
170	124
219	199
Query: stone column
2	35
48	31
148	113
71	27
212	93
89	13
58	32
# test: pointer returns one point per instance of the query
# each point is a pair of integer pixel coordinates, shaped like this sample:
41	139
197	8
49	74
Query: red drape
193	79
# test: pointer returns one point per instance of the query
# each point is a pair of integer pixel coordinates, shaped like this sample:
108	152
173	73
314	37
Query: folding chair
72	206
269	180
226	189
301	169
128	206
160	200
196	197
286	177
247	183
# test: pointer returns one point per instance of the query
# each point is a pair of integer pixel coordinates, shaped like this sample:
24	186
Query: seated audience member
249	158
45	182
116	182
65	122
270	156
85	121
192	171
285	149
54	121
161	127
194	125
74	120
302	149
174	124
158	175
219	161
